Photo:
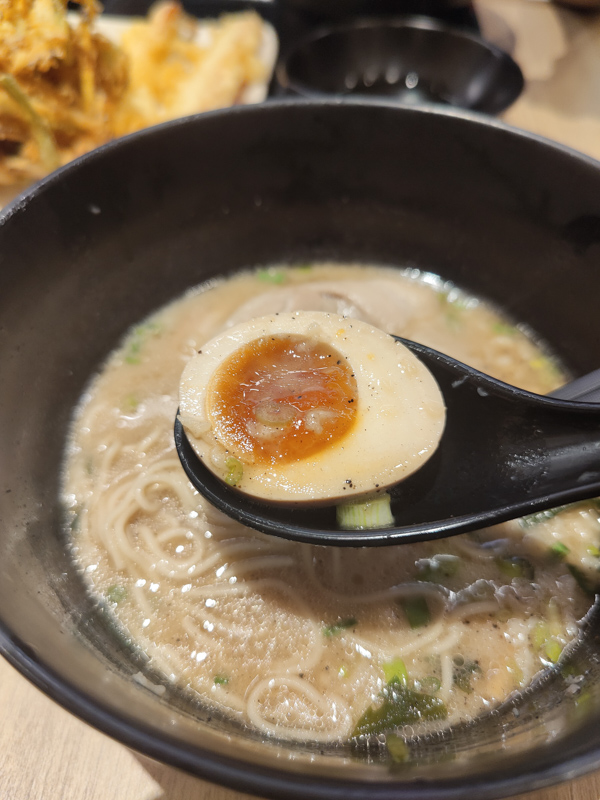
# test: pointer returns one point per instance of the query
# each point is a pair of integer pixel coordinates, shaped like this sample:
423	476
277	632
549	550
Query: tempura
65	88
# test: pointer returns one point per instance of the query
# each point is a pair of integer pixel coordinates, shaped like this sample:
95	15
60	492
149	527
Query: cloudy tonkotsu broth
304	642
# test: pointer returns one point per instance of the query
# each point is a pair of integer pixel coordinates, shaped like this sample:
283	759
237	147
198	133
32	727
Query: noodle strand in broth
303	642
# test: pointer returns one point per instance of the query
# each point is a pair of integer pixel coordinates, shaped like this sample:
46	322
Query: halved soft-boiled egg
310	407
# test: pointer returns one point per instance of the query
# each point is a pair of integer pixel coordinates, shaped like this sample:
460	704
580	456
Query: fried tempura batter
65	88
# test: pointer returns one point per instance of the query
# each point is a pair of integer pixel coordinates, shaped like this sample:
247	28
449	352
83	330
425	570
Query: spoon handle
585	389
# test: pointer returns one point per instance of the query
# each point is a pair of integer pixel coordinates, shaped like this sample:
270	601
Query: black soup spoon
504	453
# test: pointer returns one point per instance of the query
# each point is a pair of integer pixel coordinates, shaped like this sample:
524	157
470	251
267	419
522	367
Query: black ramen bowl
107	239
411	60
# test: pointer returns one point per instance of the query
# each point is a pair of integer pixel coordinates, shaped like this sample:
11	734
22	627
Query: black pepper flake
351	401
349	482
338	362
199	352
300	674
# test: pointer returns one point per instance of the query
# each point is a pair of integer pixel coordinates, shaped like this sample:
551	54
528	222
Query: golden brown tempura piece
59	86
175	72
65	89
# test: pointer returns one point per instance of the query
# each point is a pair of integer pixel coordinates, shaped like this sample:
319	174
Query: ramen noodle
303	642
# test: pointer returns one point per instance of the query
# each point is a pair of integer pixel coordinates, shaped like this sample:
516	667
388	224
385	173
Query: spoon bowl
504	453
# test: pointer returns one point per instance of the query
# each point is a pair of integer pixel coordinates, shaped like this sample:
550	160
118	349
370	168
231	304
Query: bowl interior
411	60
108	239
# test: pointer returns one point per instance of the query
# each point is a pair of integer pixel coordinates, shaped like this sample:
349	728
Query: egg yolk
282	398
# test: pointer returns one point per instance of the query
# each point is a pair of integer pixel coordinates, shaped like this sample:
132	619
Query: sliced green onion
540	635
515	566
416	610
116	594
372	512
338	627
553	648
584	701
397	748
443	565
271	275
220	680
559	550
234	471
503	329
137	339
542	516
130	404
395	669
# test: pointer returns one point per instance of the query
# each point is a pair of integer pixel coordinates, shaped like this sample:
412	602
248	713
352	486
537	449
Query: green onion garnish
137	339
220	680
515	566
116	594
338	627
395	669
397	748
443	565
559	550
416	610
371	512
235	471
553	648
271	275
503	329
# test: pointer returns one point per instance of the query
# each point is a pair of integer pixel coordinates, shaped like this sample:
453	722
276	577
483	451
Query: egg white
399	421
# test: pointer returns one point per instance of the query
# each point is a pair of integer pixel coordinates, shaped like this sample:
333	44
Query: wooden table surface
45	753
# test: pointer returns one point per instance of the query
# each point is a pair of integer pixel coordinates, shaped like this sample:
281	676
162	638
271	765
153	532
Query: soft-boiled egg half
309	407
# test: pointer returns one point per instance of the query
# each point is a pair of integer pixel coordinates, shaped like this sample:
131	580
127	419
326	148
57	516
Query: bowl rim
230	771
